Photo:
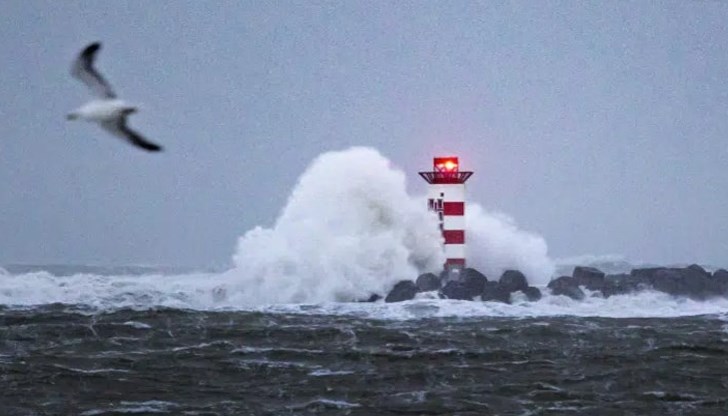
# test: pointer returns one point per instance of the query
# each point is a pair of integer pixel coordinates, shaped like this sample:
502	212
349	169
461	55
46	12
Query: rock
645	275
668	281
373	298
456	290
567	286
513	281
620	284
689	282
403	290
589	277
693	281
495	292
473	280
465	285
427	282
532	293
721	276
698	269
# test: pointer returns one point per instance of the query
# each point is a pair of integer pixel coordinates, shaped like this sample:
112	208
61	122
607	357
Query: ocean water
168	344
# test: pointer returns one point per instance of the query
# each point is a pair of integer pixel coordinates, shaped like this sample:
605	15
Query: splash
496	244
349	229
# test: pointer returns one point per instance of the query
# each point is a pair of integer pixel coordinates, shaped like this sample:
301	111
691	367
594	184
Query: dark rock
473	280
645	275
495	292
567	286
373	298
513	281
532	293
456	290
403	290
427	282
589	277
693	281
698	269
721	276
689	282
620	284
470	272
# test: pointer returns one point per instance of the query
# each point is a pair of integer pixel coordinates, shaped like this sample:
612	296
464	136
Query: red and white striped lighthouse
446	196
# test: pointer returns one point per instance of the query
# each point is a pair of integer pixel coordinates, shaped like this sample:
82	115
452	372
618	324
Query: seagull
107	110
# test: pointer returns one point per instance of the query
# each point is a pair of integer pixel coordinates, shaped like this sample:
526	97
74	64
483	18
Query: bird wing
118	128
83	69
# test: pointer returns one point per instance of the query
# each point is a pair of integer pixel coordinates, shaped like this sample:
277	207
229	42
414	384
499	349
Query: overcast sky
603	126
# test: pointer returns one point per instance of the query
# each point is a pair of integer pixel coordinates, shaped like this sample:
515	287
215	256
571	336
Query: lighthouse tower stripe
453	236
453	208
455	262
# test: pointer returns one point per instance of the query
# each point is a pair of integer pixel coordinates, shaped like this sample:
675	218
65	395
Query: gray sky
602	126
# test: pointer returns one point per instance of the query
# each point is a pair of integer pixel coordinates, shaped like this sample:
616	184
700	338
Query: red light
446	164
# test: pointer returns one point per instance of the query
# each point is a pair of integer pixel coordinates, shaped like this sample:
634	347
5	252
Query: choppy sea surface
119	348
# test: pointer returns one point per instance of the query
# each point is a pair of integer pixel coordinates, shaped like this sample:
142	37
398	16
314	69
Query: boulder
473	280
427	282
589	277
456	290
495	292
690	282
620	284
695	268
567	286
532	293
721	276
645	275
403	290
373	298
513	281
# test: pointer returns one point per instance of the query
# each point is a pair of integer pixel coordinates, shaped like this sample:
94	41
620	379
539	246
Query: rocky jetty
692	282
469	284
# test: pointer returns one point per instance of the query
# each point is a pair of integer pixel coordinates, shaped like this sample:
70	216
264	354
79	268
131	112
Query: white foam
150	406
196	292
496	244
138	325
648	304
349	229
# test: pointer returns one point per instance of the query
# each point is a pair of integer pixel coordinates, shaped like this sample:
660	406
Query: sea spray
496	244
349	229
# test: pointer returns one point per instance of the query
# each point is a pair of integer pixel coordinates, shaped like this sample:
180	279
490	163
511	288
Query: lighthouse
446	197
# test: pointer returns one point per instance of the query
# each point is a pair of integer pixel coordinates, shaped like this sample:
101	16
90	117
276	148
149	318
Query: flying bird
107	110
